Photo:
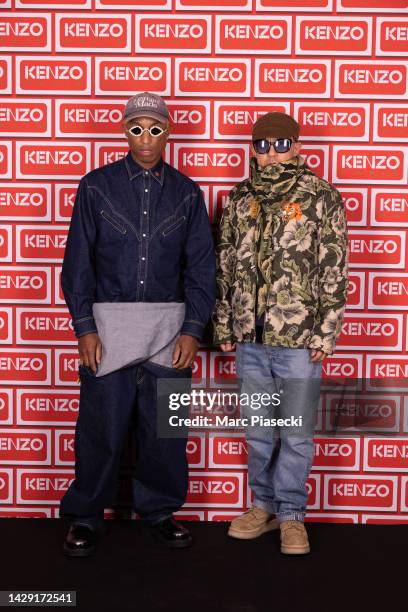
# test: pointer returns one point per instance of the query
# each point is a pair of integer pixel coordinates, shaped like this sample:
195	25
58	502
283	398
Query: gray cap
146	105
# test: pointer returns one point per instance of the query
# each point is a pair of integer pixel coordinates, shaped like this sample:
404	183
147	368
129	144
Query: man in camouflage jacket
291	228
282	260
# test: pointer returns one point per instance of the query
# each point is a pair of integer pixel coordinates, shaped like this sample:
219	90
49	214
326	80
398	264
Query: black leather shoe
171	534
80	541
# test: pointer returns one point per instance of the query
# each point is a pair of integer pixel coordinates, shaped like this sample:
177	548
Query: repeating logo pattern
340	68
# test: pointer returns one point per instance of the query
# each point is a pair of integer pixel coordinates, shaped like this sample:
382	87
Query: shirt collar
134	169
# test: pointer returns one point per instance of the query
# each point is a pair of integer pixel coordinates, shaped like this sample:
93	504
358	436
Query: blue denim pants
159	480
279	459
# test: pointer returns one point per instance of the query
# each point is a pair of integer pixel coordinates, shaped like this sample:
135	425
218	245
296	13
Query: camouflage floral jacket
282	253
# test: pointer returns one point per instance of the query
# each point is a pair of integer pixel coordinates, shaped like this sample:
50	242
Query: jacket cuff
85	325
325	343
192	328
222	339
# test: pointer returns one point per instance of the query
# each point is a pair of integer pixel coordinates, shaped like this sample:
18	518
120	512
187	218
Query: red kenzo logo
333	121
390	207
339	367
392	36
390	121
389	291
106	153
28	118
218	489
228	450
335	35
28	284
214	162
234	120
52	159
93	118
54	75
93	32
42	486
359	491
354	79
173	33
377	249
24	446
388	367
191	120
212	76
299	79
128	76
371	165
372	331
22	31
47	407
254	34
385	454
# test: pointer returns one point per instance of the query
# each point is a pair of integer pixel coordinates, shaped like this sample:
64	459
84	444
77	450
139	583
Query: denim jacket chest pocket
110	222
170	237
172	224
113	253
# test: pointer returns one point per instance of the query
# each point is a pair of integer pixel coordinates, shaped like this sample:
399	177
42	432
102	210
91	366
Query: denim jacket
139	235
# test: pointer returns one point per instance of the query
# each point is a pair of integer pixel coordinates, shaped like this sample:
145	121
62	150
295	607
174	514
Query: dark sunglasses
154	130
281	145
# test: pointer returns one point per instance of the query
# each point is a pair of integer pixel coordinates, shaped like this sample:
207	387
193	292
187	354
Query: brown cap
275	125
146	104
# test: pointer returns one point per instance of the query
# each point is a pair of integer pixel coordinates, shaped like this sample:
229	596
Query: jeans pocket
86	370
167	372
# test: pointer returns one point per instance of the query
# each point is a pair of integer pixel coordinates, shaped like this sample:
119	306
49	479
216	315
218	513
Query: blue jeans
278	472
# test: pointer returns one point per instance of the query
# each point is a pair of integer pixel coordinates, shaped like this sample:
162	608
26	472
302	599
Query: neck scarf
267	186
274	180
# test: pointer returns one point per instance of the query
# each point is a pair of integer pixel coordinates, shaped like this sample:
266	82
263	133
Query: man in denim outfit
139	263
282	286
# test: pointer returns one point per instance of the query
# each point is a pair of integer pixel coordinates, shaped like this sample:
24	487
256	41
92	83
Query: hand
90	350
185	351
227	346
316	356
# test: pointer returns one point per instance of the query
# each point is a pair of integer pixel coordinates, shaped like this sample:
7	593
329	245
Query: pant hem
156	520
294	516
267	507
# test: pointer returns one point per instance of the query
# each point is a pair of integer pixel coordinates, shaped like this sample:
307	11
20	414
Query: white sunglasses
154	130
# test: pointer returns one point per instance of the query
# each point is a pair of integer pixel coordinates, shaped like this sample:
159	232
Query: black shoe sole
78	553
173	544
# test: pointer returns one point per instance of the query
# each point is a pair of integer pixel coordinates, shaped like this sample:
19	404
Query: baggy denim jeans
278	472
159	481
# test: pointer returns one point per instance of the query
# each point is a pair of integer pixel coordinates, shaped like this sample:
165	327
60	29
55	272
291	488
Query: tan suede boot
294	540
252	523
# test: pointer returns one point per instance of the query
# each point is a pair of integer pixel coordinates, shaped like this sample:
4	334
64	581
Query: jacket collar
134	169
